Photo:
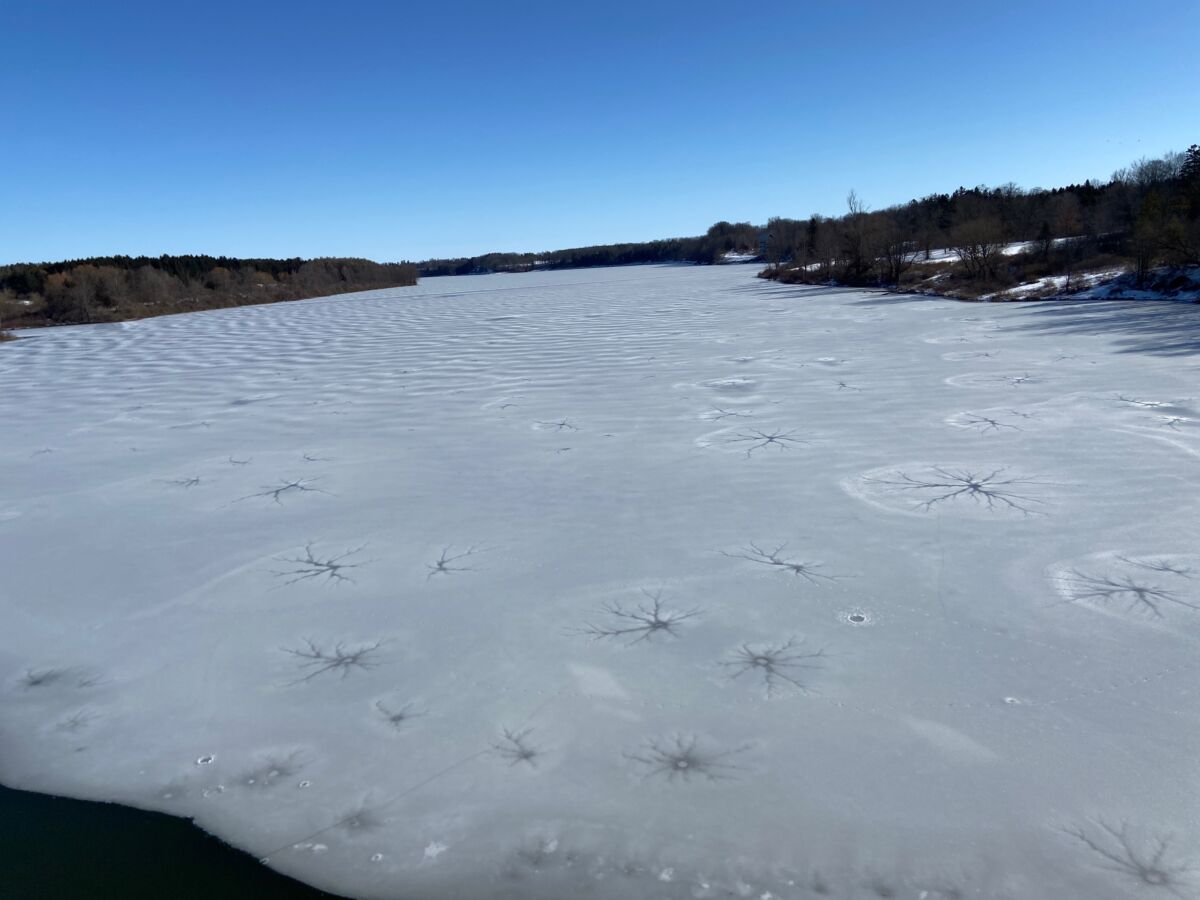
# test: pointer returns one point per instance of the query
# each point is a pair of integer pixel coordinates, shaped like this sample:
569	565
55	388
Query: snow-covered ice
642	582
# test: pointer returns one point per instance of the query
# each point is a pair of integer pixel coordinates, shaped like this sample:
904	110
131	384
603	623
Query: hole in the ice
1013	701
304	784
205	759
376	857
858	617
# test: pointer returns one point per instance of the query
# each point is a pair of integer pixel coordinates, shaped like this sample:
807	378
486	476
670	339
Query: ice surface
643	582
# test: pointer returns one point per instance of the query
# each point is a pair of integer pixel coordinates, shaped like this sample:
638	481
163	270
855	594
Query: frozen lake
657	582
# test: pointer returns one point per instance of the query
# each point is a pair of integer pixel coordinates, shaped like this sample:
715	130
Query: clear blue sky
404	130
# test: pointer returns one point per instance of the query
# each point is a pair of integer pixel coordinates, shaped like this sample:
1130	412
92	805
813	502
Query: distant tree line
111	288
721	238
1146	215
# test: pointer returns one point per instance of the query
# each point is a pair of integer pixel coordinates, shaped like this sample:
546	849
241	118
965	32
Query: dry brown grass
34	315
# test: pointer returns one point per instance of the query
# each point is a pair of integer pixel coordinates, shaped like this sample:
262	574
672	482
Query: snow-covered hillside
949	254
659	582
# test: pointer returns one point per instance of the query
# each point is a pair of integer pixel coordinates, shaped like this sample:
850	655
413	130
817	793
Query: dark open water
52	848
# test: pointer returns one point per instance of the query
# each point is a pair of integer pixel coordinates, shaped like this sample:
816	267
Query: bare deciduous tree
856	245
979	244
895	248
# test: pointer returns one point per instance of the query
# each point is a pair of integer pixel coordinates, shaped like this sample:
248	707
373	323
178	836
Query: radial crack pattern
984	424
990	490
681	758
756	439
1151	862
311	566
643	623
1137	596
446	563
775	559
516	747
298	485
397	717
777	665
316	661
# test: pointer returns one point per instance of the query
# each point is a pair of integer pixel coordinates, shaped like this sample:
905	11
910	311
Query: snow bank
733	256
1160	284
1109	284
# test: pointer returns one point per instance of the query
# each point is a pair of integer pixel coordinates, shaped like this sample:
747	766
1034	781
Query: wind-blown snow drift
644	582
